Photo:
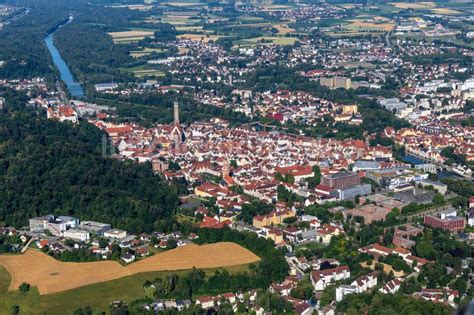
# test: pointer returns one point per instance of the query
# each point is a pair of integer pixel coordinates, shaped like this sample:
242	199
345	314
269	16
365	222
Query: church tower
176	112
176	132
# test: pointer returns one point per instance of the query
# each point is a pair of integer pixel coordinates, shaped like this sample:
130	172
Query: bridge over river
440	166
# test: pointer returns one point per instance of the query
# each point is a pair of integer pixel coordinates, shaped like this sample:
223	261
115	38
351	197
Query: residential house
206	302
359	285
321	278
391	287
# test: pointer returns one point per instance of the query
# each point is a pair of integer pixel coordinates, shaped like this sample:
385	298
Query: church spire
176	112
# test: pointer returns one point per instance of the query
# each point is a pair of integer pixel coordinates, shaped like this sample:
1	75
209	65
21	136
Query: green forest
53	167
22	46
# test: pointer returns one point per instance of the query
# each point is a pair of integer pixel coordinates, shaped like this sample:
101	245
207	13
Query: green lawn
28	302
97	296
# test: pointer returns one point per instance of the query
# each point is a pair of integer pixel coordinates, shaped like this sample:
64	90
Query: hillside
52	167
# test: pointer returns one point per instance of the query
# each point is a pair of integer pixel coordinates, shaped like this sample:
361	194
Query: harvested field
274	7
51	276
183	20
383	26
139	7
145	52
200	37
414	5
184	4
130	34
249	25
150	72
196	28
283	29
445	11
265	40
431	6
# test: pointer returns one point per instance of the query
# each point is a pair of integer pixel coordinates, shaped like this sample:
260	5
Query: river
416	161
74	87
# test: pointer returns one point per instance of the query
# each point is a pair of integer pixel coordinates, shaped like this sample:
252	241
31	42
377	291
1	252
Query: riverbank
74	87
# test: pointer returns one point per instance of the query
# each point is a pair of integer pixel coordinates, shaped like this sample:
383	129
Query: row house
391	287
377	250
359	285
322	278
284	288
444	295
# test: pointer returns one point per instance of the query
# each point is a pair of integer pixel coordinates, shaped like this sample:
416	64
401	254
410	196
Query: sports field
52	276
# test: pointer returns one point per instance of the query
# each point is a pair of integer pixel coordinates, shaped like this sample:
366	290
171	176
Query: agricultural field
176	20
273	7
197	28
148	73
52	276
250	19
362	25
445	39
250	25
144	71
283	29
414	5
184	4
139	7
431	6
130	36
445	11
359	64
200	37
375	25
145	52
98	295
265	40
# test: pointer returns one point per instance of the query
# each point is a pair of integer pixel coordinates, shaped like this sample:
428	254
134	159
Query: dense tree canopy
52	167
389	304
272	266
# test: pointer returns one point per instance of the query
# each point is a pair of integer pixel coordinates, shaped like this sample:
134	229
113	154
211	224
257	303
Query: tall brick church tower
176	132
176	112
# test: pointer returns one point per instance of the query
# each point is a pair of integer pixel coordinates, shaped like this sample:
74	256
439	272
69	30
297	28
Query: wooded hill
53	167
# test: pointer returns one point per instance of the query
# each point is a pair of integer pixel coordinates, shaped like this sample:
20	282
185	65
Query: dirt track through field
51	275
